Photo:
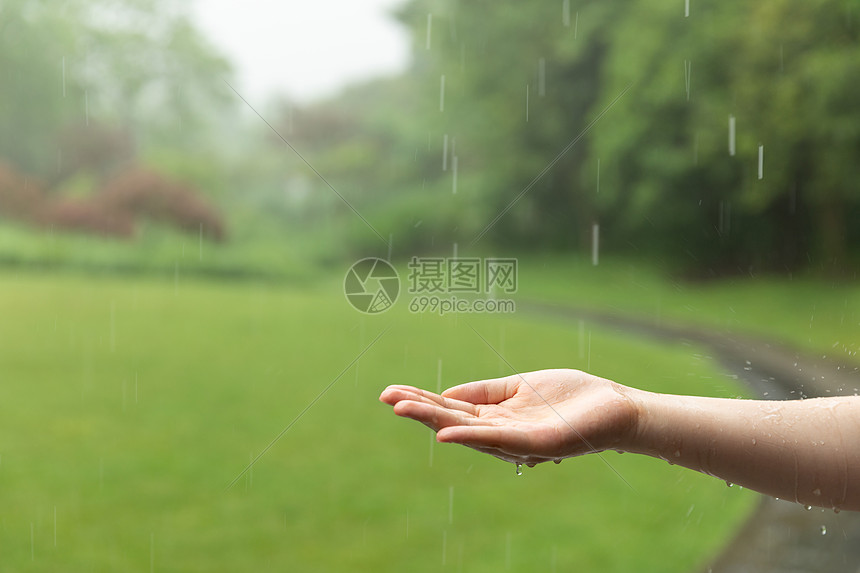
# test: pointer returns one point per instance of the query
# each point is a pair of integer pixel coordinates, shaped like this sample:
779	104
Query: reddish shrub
113	210
21	197
144	193
87	216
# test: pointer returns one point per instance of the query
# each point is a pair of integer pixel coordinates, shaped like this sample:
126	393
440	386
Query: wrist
649	433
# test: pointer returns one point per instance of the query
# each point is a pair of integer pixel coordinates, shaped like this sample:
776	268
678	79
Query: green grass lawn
128	405
809	312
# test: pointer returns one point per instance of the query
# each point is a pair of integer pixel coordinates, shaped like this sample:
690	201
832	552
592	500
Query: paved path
781	536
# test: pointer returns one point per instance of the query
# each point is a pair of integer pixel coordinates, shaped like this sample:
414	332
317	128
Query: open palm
525	418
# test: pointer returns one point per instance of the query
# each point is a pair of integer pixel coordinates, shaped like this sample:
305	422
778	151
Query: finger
446	402
394	394
507	440
490	391
433	415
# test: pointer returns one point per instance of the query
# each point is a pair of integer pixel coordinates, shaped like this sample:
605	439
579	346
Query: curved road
780	536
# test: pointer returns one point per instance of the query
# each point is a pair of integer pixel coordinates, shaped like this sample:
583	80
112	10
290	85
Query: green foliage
163	251
786	72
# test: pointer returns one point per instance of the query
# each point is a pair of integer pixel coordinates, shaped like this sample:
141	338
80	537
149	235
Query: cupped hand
525	418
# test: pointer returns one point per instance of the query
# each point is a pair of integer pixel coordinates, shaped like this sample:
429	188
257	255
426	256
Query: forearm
804	451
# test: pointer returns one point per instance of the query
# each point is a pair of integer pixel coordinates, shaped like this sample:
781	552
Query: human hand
525	418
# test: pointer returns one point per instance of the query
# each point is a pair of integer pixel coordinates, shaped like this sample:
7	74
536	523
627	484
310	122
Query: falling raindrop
565	13
732	135
445	153
761	161
519	469
686	8
595	243
429	30
454	168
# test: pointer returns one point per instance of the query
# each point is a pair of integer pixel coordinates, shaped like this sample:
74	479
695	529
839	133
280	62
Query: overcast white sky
305	49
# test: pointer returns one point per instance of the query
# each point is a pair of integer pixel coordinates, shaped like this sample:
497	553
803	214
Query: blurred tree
786	76
510	126
510	86
138	65
798	92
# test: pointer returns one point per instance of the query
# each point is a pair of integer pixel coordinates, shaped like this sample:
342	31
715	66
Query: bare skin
805	451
